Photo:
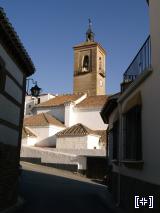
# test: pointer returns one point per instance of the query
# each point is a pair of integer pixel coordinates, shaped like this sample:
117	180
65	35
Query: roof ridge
44	115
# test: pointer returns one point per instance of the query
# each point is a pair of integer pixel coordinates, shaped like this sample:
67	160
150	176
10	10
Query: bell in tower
89	66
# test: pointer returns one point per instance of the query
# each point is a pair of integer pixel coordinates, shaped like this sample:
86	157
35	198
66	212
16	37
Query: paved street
50	190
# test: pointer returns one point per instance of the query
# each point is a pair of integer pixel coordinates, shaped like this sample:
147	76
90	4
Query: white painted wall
41	132
150	131
29	141
154	12
54	129
30	102
83	142
93	142
45	97
70	117
49	156
57	111
43	135
90	118
47	142
71	142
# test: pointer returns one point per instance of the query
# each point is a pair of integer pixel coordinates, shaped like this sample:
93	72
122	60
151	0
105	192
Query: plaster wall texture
101	80
11	66
93	142
57	111
85	152
48	156
150	136
72	142
8	135
12	89
85	142
47	142
44	136
41	132
150	107
29	141
9	111
90	118
154	13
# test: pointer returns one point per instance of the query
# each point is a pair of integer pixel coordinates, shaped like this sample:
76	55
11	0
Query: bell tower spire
89	66
89	33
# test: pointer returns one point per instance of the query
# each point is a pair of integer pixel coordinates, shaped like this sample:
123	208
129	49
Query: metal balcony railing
140	63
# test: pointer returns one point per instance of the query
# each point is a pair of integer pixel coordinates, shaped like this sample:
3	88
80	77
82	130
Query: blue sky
50	28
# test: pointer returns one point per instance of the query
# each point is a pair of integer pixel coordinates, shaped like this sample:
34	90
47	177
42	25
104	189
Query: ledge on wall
115	161
133	164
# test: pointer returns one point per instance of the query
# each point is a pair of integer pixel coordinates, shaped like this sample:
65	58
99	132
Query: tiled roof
27	132
13	41
109	106
76	130
93	101
42	119
59	100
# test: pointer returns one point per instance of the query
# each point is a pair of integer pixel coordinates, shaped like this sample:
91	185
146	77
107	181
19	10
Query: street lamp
35	90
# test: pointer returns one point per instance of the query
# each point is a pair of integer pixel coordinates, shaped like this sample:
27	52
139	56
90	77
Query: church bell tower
89	66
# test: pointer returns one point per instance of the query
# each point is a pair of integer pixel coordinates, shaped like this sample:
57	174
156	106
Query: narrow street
46	189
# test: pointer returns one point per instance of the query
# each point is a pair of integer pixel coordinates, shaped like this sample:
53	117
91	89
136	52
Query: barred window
115	139
132	134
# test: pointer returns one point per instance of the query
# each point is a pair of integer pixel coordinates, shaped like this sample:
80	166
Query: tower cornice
88	45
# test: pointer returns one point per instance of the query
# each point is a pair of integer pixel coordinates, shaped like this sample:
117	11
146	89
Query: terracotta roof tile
76	130
93	101
42	119
27	132
59	100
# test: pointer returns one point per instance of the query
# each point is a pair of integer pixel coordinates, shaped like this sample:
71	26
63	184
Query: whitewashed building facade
134	120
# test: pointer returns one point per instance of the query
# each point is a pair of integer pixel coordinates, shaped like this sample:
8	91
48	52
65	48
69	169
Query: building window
115	139
132	134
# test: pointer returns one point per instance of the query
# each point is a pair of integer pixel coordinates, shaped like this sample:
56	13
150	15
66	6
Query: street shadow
52	193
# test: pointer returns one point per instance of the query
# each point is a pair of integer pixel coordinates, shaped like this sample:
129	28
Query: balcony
141	62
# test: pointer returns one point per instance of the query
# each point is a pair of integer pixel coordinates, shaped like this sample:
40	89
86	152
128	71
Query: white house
134	120
78	137
28	137
31	101
44	126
